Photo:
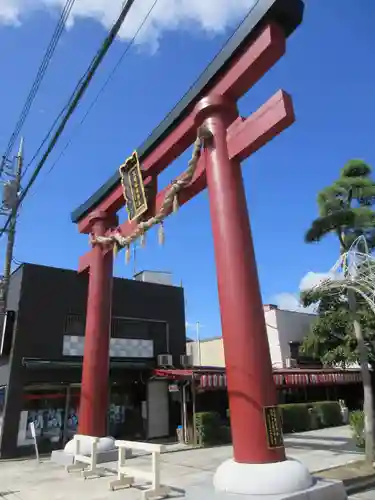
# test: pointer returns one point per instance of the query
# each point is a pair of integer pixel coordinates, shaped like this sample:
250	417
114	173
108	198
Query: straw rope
170	200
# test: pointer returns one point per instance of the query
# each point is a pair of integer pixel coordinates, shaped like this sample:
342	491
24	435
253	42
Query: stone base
61	457
107	452
284	480
104	444
321	489
274	478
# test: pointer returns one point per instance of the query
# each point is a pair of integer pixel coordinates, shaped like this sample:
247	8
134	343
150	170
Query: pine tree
343	329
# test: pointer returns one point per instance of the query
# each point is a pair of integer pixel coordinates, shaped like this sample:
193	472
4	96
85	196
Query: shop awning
216	378
36	363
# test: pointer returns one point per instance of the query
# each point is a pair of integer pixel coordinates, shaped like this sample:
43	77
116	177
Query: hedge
302	417
210	429
357	424
297	417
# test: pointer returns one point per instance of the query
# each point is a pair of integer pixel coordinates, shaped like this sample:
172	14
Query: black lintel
286	13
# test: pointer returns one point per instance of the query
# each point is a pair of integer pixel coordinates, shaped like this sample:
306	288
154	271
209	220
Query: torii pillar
95	371
259	466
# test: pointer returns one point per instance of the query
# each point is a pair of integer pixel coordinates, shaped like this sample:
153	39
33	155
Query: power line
38	79
51	129
98	95
75	100
70	140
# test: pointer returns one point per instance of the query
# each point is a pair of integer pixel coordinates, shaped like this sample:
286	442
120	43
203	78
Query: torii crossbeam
255	423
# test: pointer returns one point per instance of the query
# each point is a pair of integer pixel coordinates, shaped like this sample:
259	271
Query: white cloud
290	301
210	16
312	279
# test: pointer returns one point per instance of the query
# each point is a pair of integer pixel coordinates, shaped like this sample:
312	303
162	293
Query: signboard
173	388
133	188
33	435
273	427
32	430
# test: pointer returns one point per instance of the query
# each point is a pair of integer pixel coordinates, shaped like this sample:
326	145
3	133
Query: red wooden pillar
248	363
94	390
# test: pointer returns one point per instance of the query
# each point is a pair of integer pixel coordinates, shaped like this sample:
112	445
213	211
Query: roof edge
286	13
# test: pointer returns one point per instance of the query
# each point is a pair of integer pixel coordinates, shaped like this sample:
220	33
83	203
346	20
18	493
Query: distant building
297	378
285	330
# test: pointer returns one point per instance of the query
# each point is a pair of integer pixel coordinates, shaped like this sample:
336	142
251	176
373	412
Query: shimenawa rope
171	199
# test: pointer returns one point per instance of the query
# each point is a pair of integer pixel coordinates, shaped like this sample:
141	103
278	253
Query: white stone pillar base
104	444
288	479
276	478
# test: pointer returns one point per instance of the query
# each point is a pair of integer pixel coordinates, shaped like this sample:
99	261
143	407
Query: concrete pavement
27	480
365	495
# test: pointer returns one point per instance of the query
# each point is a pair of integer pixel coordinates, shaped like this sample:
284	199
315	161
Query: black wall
43	298
48	295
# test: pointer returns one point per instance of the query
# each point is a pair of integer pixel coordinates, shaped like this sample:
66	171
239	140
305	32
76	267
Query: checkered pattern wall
119	348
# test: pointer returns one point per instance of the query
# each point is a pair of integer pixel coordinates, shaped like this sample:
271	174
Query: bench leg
123	482
160	491
77	467
97	472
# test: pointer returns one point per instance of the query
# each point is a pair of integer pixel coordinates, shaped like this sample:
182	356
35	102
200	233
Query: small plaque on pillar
274	427
133	187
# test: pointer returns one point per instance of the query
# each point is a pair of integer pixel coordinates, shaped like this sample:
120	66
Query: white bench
126	475
86	464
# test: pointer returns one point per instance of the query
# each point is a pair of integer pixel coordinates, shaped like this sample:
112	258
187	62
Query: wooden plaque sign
133	187
274	428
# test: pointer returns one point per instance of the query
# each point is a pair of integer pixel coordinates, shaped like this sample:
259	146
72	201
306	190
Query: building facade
42	351
297	378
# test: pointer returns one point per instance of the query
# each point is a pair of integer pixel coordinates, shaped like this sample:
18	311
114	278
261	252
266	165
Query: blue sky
327	70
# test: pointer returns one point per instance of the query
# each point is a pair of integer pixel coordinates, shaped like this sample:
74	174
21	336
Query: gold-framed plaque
274	428
133	187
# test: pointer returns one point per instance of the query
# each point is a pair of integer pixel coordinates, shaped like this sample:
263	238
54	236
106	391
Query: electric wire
52	128
74	101
101	90
38	80
117	66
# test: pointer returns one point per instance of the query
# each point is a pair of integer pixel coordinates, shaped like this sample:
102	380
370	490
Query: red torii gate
259	44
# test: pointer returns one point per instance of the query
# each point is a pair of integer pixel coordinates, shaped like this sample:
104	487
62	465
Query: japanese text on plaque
273	427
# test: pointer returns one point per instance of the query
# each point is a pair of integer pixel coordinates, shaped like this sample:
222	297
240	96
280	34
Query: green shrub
357	424
225	434
295	417
209	427
301	417
329	413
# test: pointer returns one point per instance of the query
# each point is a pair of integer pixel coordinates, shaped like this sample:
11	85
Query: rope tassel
143	240
161	234
115	249
170	202
127	254
175	203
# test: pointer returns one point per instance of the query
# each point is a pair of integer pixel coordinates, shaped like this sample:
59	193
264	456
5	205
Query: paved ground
366	495
27	480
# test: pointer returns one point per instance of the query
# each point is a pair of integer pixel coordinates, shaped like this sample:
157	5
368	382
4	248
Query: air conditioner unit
186	360
291	363
165	360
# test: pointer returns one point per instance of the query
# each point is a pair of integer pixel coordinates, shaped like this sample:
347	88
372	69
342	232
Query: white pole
198	343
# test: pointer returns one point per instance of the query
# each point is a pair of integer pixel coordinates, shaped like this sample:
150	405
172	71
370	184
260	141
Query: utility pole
197	343
12	228
197	330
